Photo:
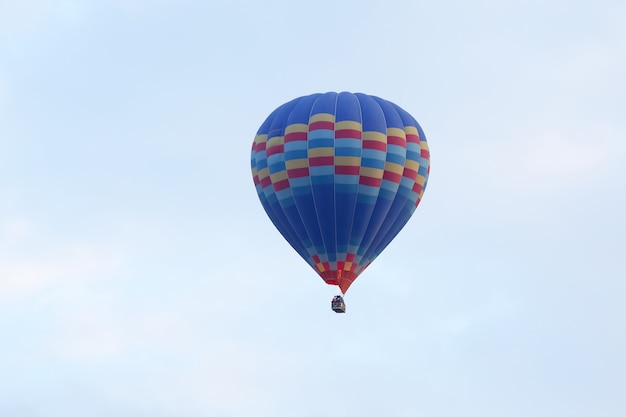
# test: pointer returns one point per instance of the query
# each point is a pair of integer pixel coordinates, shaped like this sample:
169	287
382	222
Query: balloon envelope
339	175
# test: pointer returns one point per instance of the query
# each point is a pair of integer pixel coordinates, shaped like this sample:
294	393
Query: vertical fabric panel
339	175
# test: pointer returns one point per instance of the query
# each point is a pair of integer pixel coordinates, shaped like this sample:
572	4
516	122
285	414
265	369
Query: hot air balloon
339	175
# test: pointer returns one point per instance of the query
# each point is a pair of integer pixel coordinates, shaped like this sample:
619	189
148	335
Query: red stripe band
319	161
281	185
348	133
409	173
321	125
298	172
275	149
412	138
266	182
392	176
347	170
374	182
295	136
374	144
396	140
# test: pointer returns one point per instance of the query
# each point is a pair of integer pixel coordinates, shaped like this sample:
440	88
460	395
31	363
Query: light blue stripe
390	185
374	154
413	147
406	183
261	163
322	170
286	198
301	191
300	144
346	179
387	193
270	194
299	182
368	190
348	142
321	134
396	150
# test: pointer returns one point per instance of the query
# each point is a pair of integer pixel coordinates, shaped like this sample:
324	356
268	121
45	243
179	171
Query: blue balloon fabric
339	175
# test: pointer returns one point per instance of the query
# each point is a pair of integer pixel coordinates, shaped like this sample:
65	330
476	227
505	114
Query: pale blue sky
140	276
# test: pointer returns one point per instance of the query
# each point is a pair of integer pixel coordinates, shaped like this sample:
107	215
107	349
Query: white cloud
95	325
586	76
597	63
185	351
555	156
27	16
4	90
23	15
540	160
97	322
219	377
27	274
15	230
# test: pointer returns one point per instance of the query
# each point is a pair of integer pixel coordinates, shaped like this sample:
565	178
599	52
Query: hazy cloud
27	274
